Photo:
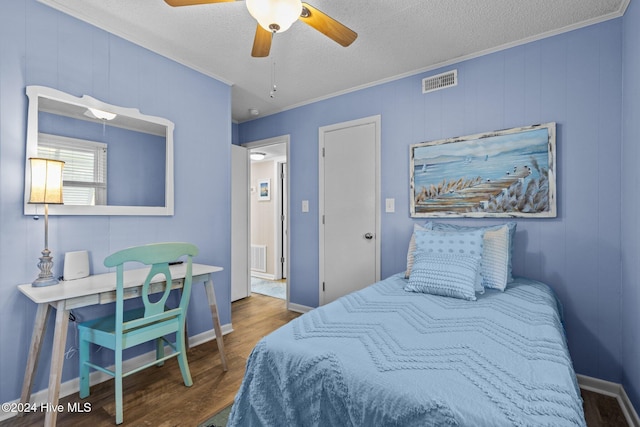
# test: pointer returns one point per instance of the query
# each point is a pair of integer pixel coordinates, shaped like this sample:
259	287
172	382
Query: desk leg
39	329
211	296
57	359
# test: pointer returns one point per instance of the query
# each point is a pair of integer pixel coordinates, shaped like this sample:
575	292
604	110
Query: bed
389	356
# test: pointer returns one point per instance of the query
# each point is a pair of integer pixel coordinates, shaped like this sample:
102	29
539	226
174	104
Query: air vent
441	81
259	258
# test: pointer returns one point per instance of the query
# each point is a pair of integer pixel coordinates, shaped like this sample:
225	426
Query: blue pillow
497	250
442	242
412	247
446	274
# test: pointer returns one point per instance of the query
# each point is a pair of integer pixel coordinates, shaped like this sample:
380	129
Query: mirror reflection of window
85	170
133	176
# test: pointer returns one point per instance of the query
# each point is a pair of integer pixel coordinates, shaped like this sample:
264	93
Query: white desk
92	290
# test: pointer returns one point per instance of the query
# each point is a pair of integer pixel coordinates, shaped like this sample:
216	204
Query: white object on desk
92	290
76	265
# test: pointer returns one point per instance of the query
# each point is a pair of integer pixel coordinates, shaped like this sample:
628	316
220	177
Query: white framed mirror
118	160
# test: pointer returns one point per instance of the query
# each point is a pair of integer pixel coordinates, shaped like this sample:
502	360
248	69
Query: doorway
269	217
349	203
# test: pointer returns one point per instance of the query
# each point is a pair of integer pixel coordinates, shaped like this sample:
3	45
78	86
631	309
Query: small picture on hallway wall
506	173
264	189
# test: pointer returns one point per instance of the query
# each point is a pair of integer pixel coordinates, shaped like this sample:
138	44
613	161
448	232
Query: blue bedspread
385	357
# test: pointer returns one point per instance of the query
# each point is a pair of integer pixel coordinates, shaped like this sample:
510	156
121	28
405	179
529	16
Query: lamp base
40	282
45	278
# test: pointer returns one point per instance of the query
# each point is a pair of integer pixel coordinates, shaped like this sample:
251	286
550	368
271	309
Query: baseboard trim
209	335
614	390
298	308
73	386
262	275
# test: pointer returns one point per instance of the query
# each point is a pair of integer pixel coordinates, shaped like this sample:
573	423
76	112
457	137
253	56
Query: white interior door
240	282
349	195
284	218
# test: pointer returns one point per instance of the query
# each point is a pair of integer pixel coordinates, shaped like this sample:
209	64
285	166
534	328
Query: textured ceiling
395	39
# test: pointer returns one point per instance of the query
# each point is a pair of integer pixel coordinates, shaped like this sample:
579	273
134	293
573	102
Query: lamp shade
275	15
46	180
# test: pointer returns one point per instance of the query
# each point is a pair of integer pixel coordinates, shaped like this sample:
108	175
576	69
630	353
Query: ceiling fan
276	16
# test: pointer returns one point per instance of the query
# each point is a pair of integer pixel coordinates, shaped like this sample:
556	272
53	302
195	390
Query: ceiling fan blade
261	43
176	3
327	25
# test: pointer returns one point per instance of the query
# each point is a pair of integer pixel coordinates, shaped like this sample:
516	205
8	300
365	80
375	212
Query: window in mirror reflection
85	172
130	173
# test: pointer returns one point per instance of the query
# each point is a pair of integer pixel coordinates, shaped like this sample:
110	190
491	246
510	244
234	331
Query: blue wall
631	206
40	46
574	79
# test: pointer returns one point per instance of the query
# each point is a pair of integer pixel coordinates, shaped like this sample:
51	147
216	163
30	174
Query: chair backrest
158	256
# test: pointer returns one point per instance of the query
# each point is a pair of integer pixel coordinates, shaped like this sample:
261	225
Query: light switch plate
305	206
390	205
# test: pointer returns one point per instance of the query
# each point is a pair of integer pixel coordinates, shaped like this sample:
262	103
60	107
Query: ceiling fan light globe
275	15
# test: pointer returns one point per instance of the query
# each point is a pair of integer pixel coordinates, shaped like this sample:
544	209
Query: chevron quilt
386	357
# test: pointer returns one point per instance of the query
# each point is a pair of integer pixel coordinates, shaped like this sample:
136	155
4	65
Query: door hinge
322	219
322	286
282	260
281	218
322	151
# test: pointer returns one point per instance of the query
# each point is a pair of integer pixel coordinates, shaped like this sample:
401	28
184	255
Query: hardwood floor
602	411
157	397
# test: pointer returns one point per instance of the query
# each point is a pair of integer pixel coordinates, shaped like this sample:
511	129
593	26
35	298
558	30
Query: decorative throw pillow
412	246
446	274
496	255
496	259
442	242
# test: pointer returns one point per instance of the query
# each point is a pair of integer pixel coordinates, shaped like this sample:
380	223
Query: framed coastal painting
264	189
506	173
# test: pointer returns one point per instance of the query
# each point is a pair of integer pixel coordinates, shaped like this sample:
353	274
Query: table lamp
46	187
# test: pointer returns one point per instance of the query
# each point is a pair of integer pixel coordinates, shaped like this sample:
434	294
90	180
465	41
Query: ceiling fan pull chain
272	94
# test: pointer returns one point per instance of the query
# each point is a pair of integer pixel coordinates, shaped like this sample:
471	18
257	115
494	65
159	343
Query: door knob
368	236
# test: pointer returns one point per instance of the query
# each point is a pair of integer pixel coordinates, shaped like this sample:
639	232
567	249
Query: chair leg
160	350
84	368
182	357
184	369
118	390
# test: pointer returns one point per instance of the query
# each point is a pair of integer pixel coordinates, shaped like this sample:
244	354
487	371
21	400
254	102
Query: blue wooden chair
152	322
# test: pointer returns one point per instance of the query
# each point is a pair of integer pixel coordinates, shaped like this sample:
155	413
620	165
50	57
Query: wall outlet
305	206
